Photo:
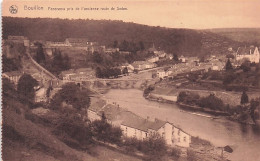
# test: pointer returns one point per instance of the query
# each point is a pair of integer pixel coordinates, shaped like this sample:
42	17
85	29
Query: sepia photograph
130	80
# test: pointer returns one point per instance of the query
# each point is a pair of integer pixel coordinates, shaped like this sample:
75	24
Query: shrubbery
105	132
154	146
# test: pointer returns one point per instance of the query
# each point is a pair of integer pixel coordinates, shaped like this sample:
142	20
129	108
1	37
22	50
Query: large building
19	39
77	75
248	53
143	128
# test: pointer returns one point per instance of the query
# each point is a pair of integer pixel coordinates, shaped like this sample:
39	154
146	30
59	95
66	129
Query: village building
141	65
129	67
182	59
19	39
143	128
153	59
57	44
163	74
111	50
248	53
13	76
77	42
77	75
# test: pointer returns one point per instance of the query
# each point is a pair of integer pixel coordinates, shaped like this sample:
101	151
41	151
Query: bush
191	155
188	98
103	131
175	152
211	102
73	131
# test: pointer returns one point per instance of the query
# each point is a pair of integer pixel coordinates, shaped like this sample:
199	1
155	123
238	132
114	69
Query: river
244	139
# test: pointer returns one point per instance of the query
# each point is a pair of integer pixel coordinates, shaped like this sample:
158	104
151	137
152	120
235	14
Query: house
217	65
141	65
19	39
153	59
77	75
77	42
161	54
140	129
13	76
162	73
57	44
250	53
111	50
182	59
129	67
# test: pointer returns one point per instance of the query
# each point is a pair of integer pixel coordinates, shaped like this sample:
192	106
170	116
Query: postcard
130	80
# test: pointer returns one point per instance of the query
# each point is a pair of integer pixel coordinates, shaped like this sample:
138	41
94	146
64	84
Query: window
184	138
179	132
163	134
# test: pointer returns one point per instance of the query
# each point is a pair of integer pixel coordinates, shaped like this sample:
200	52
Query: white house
141	65
182	59
143	128
163	73
250	53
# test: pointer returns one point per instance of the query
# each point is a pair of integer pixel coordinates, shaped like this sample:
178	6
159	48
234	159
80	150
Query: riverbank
192	108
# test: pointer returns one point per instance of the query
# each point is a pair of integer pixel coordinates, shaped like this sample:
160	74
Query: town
78	89
165	77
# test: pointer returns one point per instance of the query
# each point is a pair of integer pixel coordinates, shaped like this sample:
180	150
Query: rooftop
144	124
13	73
246	50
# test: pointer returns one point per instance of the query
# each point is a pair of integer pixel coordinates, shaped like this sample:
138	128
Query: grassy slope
26	140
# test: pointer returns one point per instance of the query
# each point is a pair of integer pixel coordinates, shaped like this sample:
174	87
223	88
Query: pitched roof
13	73
144	124
246	50
77	40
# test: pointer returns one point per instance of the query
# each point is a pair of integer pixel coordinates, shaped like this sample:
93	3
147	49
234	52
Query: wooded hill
250	36
176	41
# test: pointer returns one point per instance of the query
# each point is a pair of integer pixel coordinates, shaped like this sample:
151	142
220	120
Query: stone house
250	53
143	128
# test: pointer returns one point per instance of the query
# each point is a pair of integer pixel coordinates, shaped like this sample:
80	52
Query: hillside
248	35
179	41
29	135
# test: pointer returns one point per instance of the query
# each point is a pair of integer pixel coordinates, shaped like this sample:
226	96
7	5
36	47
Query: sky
196	14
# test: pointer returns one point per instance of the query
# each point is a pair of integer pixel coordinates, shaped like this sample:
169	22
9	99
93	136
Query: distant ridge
179	41
247	35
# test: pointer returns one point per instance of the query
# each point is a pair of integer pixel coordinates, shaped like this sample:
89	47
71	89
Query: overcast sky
198	14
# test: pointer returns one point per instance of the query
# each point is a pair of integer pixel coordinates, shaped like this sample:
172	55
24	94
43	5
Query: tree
125	71
71	94
141	44
245	66
40	56
97	57
175	57
115	45
99	73
212	102
154	146
104	131
244	98
25	87
228	65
